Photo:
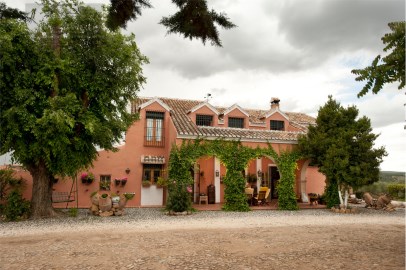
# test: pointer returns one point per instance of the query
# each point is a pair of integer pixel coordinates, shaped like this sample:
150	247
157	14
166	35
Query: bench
58	197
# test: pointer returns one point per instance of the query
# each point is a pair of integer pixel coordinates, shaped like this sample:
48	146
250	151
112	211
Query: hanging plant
87	177
146	183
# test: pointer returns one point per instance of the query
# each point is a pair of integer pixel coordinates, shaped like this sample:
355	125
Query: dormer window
236	122
277	125
204	120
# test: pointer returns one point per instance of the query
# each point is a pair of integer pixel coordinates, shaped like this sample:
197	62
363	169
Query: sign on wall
152	159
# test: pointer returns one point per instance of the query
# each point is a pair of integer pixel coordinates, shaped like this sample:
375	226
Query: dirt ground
290	247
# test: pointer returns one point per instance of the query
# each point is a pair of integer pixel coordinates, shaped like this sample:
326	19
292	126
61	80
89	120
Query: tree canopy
341	145
193	20
64	89
12	13
388	69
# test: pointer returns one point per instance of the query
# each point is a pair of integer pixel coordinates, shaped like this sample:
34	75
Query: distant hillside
389	176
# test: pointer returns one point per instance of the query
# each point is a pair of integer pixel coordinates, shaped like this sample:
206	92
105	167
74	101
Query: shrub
16	207
73	212
322	199
359	194
331	194
396	190
8	182
179	199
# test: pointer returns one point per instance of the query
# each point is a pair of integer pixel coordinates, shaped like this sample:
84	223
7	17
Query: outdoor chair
261	197
249	192
267	193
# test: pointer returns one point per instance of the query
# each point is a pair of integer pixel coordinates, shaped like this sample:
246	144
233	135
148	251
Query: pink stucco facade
173	121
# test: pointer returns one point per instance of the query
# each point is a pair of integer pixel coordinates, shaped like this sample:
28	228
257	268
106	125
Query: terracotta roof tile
186	128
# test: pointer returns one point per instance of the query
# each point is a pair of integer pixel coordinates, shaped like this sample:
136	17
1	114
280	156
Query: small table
203	198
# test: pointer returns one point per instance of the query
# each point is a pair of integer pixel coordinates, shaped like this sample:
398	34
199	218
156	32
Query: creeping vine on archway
235	158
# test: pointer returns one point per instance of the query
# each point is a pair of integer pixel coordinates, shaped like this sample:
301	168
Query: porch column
196	187
217	178
259	168
303	181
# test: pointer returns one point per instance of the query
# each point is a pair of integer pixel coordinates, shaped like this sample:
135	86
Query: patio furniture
313	198
249	192
268	191
203	198
261	197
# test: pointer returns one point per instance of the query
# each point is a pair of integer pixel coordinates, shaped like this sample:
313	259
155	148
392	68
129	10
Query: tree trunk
340	196
346	198
41	201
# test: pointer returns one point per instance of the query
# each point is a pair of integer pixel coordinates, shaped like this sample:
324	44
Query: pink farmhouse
143	156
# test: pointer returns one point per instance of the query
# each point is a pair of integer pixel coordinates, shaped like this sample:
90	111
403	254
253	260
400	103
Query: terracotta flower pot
105	204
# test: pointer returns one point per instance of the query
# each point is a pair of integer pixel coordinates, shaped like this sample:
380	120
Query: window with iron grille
154	130
151	172
236	122
277	125
105	182
204	120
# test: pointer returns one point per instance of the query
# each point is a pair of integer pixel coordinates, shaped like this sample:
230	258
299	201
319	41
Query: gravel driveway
147	239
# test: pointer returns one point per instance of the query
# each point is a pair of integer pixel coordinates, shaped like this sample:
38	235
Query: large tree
64	88
193	20
389	69
12	13
341	145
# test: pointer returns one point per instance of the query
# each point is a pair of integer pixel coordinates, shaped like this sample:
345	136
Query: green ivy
235	158
287	165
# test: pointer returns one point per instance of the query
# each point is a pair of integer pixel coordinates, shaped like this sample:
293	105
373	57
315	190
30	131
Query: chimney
275	103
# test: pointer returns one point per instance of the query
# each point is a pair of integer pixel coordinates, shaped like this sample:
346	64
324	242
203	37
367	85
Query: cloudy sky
298	50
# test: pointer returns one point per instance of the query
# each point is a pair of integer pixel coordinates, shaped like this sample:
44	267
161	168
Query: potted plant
115	199
117	181
83	177
129	196
252	178
123	181
161	182
87	178
146	183
105	203
104	185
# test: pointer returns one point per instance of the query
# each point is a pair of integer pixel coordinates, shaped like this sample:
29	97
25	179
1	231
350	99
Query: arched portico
235	157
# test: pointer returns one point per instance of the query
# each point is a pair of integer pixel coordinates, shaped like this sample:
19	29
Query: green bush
396	191
16	207
359	194
8	182
375	189
73	212
179	199
331	193
322	199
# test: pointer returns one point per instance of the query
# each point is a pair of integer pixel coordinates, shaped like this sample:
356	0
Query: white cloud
393	138
298	50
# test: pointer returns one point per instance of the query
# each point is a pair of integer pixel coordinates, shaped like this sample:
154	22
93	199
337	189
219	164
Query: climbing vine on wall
235	158
287	165
181	160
